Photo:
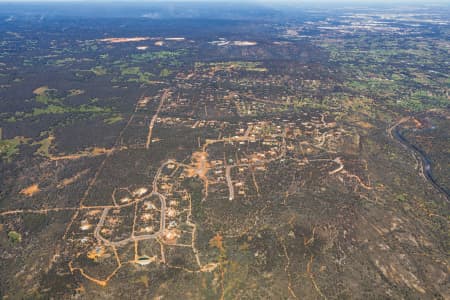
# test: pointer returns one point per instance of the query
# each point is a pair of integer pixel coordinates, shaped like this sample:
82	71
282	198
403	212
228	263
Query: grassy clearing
55	106
130	71
48	97
422	100
233	65
14	237
160	55
44	148
61	109
10	147
99	70
113	119
165	73
134	74
63	62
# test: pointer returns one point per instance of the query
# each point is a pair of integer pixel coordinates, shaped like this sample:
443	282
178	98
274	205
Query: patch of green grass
113	119
396	77
237	65
130	71
91	109
401	197
14	237
134	74
165	73
423	100
309	102
11	119
10	147
64	61
48	98
44	148
160	55
61	109
50	109
99	70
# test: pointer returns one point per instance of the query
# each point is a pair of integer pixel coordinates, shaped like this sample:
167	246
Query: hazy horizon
272	2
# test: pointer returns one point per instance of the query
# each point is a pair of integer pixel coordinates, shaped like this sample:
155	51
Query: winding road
134	238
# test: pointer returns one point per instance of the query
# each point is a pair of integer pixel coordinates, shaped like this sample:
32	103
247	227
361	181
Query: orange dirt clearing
41	90
217	242
31	190
94	152
72	179
200	165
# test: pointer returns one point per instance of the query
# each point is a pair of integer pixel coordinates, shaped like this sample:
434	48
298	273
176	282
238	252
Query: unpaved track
164	96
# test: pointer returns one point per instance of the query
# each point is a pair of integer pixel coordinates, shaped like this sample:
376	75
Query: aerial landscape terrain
224	151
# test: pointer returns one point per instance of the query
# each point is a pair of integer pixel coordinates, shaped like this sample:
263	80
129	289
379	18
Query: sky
264	2
242	1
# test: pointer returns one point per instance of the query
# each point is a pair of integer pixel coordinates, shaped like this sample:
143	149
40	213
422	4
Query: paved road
132	238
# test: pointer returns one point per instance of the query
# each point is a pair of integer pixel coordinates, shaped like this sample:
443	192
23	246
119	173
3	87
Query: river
426	162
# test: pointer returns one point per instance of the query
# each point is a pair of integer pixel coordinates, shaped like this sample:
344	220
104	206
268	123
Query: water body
426	162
